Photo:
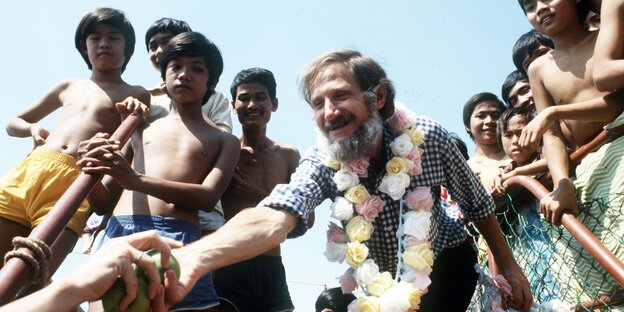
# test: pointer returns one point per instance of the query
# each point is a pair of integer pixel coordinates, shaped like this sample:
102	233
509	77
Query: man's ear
275	104
381	95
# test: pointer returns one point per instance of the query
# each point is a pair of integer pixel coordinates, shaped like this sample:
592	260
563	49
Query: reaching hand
115	260
560	200
521	299
176	289
533	132
131	105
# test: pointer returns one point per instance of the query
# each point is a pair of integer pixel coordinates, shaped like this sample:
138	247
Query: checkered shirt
443	165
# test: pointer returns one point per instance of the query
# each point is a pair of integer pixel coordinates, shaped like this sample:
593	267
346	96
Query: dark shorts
453	275
203	295
258	284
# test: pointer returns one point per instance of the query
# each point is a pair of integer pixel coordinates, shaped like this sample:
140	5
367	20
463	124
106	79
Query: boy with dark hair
528	47
563	89
480	114
154	194
516	91
257	284
216	110
28	192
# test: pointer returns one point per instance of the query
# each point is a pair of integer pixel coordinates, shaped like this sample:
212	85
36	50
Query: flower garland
374	290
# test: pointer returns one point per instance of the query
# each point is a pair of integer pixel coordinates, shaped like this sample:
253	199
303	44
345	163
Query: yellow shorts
30	190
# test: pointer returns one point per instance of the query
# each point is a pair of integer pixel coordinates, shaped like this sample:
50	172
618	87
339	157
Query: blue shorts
203	295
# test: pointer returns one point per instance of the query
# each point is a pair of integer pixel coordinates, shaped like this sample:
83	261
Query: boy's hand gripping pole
16	272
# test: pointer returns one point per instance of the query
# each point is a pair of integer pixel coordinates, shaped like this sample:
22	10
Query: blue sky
438	53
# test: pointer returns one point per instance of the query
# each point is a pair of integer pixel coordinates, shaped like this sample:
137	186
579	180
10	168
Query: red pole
15	272
604	256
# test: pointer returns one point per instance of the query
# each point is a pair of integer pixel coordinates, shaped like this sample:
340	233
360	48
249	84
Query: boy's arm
562	197
531	169
190	195
25	124
608	69
597	109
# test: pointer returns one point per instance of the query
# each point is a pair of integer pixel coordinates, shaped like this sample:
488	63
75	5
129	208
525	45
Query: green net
557	266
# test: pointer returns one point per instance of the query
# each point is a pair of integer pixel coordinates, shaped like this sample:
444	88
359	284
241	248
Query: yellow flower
380	284
357	194
356	254
367	304
416	135
396	165
359	229
410	292
332	163
420	257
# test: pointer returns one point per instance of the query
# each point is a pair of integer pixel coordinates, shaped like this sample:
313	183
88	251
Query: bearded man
353	104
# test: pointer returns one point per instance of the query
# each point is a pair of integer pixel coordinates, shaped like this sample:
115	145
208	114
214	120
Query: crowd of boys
559	98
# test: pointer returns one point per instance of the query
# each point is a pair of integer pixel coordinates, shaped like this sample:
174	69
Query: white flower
402	145
345	179
335	252
367	271
341	208
395	185
417	224
393	301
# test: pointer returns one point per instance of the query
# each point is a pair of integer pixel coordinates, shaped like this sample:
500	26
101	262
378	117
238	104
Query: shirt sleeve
309	186
218	110
473	200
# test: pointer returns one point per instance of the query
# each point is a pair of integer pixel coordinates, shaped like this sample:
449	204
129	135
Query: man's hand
131	105
521	300
561	199
176	289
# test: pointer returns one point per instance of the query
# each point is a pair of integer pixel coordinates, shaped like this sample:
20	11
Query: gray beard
358	144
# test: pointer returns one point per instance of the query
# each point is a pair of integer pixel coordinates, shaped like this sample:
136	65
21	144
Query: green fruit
155	254
113	296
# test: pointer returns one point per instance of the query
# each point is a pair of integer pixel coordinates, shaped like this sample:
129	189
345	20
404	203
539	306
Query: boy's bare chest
266	168
570	81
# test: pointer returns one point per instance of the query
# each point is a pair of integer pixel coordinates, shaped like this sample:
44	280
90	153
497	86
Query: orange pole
604	256
15	272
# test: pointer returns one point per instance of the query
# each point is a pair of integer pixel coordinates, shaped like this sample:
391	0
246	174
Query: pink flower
420	199
415	155
370	209
347	282
400	121
420	279
358	166
336	234
412	240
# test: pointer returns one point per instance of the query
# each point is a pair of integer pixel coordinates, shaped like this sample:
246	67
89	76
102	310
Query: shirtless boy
216	109
105	39
180	163
563	89
257	284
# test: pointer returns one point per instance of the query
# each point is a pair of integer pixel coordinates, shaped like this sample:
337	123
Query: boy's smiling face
551	16
253	104
186	79
105	47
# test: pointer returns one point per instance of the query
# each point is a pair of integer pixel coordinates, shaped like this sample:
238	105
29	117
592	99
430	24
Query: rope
37	258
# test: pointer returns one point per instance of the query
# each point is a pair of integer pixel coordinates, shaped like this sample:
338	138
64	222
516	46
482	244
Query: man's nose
331	110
